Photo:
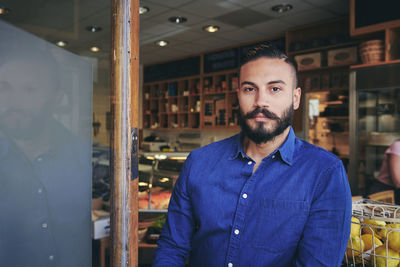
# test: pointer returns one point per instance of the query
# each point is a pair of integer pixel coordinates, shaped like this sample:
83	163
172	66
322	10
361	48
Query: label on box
308	61
343	56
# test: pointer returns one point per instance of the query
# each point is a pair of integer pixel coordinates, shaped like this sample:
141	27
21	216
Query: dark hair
268	50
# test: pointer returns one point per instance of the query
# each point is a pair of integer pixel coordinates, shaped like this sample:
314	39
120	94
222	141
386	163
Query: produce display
374	236
159	199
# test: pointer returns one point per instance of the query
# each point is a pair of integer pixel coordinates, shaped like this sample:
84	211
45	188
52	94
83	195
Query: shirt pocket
279	224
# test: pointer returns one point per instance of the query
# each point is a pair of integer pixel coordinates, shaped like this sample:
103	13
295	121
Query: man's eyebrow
248	83
277	81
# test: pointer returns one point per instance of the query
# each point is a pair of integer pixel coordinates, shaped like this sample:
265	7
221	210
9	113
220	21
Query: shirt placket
240	214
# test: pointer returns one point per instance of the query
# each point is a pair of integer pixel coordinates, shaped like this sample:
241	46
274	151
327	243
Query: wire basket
375	235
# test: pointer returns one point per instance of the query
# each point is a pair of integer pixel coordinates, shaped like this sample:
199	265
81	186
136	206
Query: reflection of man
44	170
263	197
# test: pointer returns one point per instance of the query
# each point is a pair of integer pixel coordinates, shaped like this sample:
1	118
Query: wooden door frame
124	137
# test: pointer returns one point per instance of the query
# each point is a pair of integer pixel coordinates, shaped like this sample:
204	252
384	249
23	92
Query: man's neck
259	151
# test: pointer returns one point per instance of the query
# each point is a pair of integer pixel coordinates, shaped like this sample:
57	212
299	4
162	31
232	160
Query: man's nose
262	98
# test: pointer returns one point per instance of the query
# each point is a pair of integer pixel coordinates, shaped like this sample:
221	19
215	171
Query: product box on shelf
308	61
342	56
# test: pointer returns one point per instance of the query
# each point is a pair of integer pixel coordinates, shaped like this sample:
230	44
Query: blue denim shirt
294	210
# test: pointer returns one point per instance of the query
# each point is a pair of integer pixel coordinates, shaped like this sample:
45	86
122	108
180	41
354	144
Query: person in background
262	197
45	181
389	174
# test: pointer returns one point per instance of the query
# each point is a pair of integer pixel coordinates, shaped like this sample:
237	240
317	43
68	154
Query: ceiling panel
191	18
298	6
68	19
309	16
241	36
210	9
271	27
171	3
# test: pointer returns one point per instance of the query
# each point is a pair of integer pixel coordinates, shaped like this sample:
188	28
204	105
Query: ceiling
240	21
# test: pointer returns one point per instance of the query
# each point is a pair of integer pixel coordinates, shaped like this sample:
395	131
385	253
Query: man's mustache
265	112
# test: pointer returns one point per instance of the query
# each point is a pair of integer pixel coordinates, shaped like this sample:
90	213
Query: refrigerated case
374	121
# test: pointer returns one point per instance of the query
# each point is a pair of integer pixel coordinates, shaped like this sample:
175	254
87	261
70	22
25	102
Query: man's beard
260	134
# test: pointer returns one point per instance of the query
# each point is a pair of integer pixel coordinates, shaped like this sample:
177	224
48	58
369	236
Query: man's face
267	98
26	96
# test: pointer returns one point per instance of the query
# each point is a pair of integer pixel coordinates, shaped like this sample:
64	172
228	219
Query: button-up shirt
45	203
294	210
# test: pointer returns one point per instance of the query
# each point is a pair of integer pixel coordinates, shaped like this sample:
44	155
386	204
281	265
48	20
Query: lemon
355	245
381	261
355	226
379	232
367	239
394	237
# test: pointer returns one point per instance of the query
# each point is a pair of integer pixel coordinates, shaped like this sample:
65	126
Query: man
45	170
262	197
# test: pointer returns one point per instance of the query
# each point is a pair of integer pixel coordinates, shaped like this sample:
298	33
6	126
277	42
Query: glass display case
158	172
374	121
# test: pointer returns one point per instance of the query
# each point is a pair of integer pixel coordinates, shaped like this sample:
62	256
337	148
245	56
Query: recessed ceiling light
93	28
211	28
162	43
282	8
95	49
4	10
61	43
143	10
177	20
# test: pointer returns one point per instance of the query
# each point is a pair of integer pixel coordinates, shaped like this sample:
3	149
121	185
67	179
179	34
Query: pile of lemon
375	232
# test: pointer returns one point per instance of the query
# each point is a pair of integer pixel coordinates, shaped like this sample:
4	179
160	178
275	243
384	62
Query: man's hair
268	50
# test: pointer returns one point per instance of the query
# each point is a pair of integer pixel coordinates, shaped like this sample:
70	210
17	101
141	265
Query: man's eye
276	89
248	89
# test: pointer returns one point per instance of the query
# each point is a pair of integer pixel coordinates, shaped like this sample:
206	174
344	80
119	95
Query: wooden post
125	109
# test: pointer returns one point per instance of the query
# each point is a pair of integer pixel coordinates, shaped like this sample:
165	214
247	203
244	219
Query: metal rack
380	212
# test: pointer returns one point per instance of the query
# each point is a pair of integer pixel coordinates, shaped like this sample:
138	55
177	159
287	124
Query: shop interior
189	54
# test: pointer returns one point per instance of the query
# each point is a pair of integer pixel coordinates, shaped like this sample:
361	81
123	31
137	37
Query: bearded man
263	197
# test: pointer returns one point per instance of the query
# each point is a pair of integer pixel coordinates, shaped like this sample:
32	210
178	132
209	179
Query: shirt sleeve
394	148
174	243
327	230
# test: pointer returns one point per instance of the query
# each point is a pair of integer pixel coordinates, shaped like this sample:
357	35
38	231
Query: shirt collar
285	151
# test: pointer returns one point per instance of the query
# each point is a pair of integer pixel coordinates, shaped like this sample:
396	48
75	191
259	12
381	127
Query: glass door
45	153
375	121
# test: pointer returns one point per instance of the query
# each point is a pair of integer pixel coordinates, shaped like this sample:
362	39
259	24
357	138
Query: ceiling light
211	28
61	43
4	10
177	20
162	43
93	28
95	49
143	10
282	8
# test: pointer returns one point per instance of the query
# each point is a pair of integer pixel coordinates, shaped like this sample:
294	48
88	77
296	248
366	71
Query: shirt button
244	195
249	162
230	264
236	232
44	225
51	257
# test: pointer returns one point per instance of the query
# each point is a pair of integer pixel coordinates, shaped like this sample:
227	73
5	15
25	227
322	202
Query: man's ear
296	98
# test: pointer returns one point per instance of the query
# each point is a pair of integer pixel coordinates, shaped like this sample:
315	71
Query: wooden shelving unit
206	101
327	84
388	31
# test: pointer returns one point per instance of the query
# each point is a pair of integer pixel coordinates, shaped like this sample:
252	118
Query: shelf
327	47
216	93
375	64
152	210
325	68
147	245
